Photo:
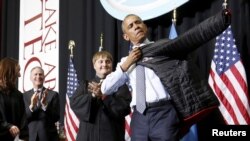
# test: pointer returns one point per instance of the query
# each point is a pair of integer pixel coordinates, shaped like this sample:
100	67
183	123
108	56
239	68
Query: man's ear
125	36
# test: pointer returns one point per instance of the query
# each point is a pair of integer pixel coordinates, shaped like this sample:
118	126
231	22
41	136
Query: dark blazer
41	123
190	93
101	119
12	112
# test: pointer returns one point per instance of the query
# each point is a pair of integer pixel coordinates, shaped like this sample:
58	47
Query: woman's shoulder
15	90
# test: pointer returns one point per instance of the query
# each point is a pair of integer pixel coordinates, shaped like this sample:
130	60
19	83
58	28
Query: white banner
146	9
39	41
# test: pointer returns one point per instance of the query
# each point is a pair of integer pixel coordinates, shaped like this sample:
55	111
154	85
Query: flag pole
173	33
226	11
174	19
101	42
224	4
71	47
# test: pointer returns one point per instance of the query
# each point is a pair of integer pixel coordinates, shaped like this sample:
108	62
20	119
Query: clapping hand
95	89
43	99
34	100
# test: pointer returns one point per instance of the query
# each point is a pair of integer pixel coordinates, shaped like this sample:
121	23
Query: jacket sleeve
29	114
80	102
4	125
23	124
118	104
191	39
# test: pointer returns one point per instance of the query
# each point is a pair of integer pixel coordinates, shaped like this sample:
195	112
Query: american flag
71	122
227	78
127	127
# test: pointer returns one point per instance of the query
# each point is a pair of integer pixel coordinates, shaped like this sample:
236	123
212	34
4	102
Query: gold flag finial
101	42
71	47
174	16
224	4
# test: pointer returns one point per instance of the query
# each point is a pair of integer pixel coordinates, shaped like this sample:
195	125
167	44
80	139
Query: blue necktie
140	89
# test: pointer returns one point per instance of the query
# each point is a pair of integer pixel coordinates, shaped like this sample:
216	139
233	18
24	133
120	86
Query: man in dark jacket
42	109
101	118
174	91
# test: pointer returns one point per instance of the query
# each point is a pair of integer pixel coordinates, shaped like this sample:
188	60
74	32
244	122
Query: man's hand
132	58
43	99
34	100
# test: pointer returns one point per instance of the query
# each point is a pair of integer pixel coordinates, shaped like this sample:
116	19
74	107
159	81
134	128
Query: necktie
140	89
39	97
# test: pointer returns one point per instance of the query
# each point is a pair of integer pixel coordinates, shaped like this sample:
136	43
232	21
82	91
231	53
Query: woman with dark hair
12	110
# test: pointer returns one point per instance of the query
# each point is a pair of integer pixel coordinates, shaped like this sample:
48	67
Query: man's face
103	66
37	78
135	30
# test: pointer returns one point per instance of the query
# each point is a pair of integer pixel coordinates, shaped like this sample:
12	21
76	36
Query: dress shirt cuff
113	81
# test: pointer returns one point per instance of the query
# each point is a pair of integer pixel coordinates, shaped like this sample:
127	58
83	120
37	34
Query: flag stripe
241	77
228	80
214	86
68	133
127	126
234	88
240	99
225	98
73	117
70	116
70	126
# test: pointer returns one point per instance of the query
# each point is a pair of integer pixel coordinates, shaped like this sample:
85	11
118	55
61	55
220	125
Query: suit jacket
101	119
190	93
41	123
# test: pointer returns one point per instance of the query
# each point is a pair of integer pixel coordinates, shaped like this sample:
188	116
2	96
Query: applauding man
42	109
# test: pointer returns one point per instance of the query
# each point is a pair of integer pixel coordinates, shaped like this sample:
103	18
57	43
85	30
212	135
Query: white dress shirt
154	88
